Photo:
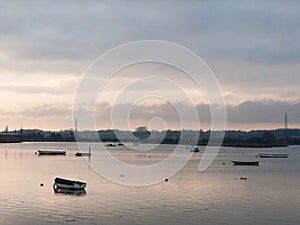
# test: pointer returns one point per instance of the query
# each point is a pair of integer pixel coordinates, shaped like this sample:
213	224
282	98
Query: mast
285	130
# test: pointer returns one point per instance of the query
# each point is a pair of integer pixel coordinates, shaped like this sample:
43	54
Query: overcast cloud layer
252	47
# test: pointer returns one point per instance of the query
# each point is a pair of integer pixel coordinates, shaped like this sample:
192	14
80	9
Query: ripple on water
270	195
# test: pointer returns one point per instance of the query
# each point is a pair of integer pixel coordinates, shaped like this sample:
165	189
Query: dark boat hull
269	155
241	163
68	184
111	145
42	152
78	154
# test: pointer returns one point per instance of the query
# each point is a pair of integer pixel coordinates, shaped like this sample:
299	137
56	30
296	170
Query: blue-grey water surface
270	195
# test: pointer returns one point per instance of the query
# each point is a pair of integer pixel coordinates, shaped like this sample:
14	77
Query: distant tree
268	137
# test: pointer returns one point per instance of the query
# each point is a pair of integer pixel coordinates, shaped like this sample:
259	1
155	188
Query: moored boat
272	155
111	145
244	163
78	154
195	149
51	152
68	184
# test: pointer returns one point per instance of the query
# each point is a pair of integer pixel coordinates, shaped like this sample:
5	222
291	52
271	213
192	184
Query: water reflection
77	192
269	195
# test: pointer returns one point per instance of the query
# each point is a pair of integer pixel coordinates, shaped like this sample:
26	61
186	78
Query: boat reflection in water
78	192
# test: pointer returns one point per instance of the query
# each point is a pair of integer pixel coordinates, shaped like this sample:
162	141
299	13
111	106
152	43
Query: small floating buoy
41	184
149	156
122	175
35	153
223	164
166	180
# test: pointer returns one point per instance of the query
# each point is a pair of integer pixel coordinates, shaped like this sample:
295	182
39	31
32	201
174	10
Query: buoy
223	164
166	180
41	184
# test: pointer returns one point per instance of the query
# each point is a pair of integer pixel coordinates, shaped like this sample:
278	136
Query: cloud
269	114
75	34
265	32
263	112
252	46
61	85
247	115
46	117
46	111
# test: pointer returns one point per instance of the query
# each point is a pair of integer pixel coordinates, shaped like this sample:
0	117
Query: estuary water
270	194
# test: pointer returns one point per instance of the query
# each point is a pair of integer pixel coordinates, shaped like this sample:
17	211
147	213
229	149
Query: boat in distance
51	152
195	149
78	154
111	145
243	163
68	184
272	155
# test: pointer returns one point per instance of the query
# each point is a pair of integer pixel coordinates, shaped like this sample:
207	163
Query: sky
252	47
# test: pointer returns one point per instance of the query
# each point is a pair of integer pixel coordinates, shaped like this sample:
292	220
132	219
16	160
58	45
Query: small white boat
51	152
272	155
195	149
68	184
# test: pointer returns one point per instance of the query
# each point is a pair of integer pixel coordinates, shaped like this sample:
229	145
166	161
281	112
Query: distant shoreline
232	138
234	145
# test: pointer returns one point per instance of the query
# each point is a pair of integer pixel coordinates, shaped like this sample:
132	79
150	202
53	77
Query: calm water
270	195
